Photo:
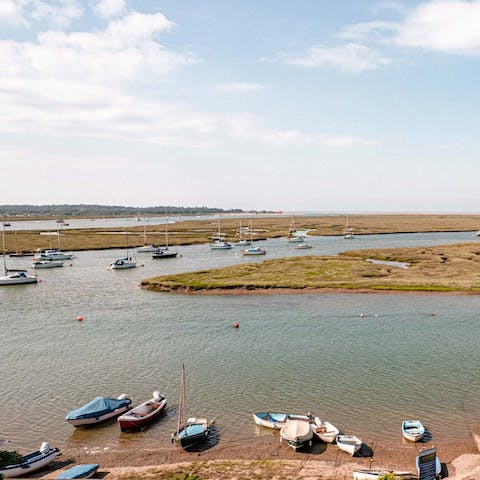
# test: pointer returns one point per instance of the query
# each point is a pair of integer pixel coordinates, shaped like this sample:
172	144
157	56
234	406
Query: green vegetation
8	457
446	268
389	476
186	476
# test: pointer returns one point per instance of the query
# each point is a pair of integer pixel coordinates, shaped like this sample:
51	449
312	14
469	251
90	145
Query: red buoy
79	318
236	325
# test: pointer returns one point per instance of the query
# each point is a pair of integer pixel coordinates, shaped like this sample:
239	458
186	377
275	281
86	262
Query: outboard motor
44	447
156	396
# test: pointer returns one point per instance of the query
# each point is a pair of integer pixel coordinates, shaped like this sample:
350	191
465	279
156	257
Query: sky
305	105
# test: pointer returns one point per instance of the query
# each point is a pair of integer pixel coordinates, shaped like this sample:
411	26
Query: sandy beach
264	457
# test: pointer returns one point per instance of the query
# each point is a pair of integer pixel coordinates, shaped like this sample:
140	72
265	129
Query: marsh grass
447	268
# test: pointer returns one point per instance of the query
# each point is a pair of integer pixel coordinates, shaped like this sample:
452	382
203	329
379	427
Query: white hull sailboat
293	235
253	250
348	232
147	248
13	278
126	262
47	264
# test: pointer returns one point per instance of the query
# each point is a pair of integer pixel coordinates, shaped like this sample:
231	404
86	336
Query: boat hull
349	444
191	434
275	420
31	463
142	415
376	474
163	254
17	280
413	430
296	433
80	422
79	471
325	431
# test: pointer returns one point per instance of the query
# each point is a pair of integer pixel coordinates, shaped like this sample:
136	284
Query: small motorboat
31	463
164	253
296	433
254	251
144	413
220	245
17	278
413	430
47	264
98	410
324	430
123	263
349	444
53	254
86	470
303	246
376	474
147	248
276	420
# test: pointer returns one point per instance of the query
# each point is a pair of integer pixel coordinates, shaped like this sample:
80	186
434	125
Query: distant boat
324	430
9	277
78	471
348	232
276	420
303	246
125	262
242	242
293	235
413	430
296	433
47	264
31	462
220	245
98	410
53	254
477	233
20	253
377	474
192	430
254	251
144	413
147	248
349	443
164	252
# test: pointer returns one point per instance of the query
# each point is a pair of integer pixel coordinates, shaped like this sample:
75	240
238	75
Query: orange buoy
71	264
79	318
142	265
236	325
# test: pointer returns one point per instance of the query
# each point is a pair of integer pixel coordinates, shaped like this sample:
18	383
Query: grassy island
446	268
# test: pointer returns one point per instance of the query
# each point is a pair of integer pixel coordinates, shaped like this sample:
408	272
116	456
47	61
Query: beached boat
276	420
98	410
376	474
413	430
296	433
144	413
324	430
438	466
85	470
349	443
31	463
47	264
189	431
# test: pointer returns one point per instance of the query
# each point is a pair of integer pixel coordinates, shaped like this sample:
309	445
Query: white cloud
351	57
238	87
450	26
363	30
10	13
109	8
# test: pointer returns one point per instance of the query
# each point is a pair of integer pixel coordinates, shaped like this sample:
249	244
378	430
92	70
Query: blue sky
305	105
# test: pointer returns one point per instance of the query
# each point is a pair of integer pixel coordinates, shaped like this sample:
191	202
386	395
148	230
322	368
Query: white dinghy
349	444
31	463
324	430
376	474
413	430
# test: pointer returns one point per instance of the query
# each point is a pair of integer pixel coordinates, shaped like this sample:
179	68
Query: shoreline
304	291
264	457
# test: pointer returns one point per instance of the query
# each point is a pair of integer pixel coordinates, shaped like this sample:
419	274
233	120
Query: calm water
291	352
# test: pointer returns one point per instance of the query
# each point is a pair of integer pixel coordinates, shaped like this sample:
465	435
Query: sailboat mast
181	399
166	234
58	236
4	248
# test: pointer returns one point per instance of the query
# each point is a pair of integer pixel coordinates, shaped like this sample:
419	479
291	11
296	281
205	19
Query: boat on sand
296	433
349	444
324	430
413	430
377	474
85	470
30	463
144	413
276	420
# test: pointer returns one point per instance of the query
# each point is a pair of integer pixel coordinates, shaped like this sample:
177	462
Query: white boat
348	232
477	233
296	433
147	248
349	443
254	251
377	474
13	278
413	430
30	463
324	430
242	242
220	245
293	235
53	254
276	420
98	410
125	262
47	264
303	246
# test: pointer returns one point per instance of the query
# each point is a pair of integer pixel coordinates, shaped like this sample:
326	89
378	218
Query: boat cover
79	471
191	430
97	407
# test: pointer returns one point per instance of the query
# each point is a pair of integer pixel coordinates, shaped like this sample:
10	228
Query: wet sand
265	457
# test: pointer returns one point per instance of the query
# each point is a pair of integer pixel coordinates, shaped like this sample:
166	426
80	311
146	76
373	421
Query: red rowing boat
144	413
